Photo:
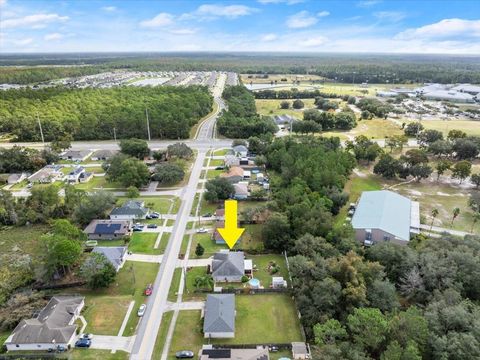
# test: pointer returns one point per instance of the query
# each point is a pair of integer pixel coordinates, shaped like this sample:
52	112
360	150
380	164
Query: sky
370	26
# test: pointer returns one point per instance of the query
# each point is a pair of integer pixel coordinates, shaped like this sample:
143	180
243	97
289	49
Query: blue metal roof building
390	214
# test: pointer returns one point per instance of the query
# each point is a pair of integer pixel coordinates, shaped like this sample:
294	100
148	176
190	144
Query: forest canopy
93	114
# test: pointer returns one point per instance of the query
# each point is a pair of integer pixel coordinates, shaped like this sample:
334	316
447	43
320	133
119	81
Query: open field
470	127
272	107
143	243
104	314
93	354
21	240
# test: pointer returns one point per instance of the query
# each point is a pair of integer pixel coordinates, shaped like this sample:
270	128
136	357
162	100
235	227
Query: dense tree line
343	120
89	114
22	159
375	107
296	94
240	120
399	68
32	75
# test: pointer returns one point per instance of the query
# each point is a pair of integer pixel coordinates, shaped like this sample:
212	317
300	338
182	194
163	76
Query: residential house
220	223
75	155
231	160
16	178
234	174
114	254
240	150
130	210
85	177
241	191
53	326
300	351
107	229
219	318
210	353
220	214
385	216
228	266
284	121
74	175
102	155
47	175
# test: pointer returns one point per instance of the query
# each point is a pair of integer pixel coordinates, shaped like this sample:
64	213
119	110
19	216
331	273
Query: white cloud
184	31
269	37
22	42
53	36
34	21
228	11
288	2
368	3
304	19
314	41
3	2
161	20
393	16
109	8
446	28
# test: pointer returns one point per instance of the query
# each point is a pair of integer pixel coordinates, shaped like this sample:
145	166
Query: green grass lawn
221	152
266	318
162	335
189	291
93	354
129	285
196	199
251	238
21	240
471	127
207	207
105	314
116	242
20	185
174	285
143	243
96	182
270	107
216	162
183	248
262	263
211	174
188	333
163	243
208	244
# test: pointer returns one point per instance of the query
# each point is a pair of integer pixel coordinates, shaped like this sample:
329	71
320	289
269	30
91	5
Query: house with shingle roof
76	155
234	174
54	326
102	155
219	318
130	210
114	254
228	266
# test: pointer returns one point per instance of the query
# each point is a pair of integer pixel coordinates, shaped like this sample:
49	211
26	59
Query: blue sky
258	25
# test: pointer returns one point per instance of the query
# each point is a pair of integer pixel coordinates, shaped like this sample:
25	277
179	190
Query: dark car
152	226
220	168
83	343
154	216
207	215
136	228
184	354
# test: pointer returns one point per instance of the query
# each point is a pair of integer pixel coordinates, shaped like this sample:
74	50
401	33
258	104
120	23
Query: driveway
145	258
104	342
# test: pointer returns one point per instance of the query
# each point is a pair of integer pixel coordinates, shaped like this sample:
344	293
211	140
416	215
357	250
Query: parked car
219	168
154	215
29	186
201	230
142	309
207	215
83	343
184	354
152	226
273	348
136	228
87	336
149	290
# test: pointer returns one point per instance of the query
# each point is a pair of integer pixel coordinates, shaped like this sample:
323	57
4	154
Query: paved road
157	303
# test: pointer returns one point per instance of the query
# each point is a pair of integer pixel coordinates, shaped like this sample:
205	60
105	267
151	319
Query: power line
148	124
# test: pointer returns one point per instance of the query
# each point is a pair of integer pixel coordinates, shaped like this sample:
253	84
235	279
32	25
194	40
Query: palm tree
476	218
456	212
205	281
434	215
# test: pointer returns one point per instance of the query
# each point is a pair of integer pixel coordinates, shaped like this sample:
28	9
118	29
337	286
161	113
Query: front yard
160	204
143	243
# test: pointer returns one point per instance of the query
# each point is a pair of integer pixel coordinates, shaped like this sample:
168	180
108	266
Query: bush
245	279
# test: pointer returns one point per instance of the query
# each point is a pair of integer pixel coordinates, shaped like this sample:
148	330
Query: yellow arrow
231	232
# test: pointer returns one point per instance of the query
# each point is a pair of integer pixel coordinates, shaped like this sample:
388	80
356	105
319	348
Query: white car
201	230
142	309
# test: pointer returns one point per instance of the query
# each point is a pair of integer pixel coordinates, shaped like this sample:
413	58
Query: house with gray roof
53	326
240	150
47	175
114	254
102	155
208	352
219	318
16	178
75	155
130	210
74	175
228	266
107	229
385	216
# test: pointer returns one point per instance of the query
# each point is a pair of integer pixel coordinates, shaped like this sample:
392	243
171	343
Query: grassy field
216	162
21	240
187	334
104	314
92	354
272	107
189	291
266	318
163	243
162	335
208	244
220	152
143	243
211	174
470	127
174	285
263	274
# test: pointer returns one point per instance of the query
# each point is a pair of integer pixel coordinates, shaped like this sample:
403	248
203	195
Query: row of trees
241	119
295	93
92	114
343	120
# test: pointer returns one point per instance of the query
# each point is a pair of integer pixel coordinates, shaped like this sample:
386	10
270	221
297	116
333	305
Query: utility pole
148	124
41	130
